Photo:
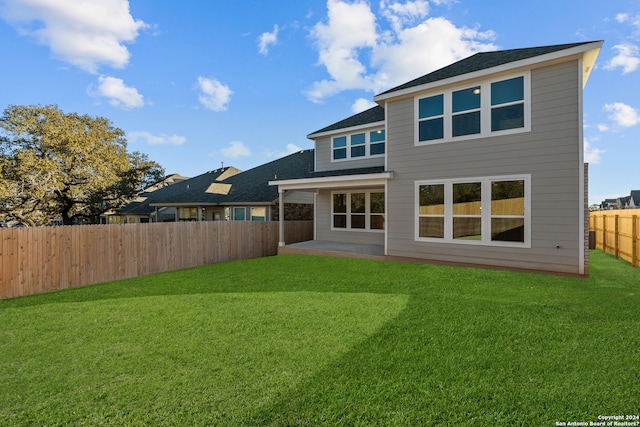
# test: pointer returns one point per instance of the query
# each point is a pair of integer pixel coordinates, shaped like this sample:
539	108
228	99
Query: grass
312	341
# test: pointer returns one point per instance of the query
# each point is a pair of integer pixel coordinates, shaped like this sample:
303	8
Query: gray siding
324	153
323	226
550	153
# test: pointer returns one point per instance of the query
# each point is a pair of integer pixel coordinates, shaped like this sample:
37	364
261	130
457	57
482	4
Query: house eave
334	181
346	129
588	52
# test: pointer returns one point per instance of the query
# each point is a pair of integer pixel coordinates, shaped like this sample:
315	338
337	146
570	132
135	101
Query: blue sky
195	84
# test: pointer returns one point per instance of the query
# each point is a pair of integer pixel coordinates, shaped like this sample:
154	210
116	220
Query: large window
475	111
358	145
489	210
358	210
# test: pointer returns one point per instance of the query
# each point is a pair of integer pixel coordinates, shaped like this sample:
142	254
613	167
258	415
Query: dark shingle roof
344	172
372	115
199	182
251	186
482	61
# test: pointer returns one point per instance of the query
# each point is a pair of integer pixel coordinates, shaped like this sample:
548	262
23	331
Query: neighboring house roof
251	186
143	205
164	182
372	115
483	61
635	195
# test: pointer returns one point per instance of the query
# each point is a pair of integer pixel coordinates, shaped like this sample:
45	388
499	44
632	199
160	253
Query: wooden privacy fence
618	232
41	259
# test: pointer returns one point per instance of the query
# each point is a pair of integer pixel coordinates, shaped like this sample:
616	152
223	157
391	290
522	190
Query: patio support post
281	216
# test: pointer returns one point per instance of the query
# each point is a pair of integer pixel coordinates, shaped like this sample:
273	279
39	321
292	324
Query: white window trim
485	111
486	211
367	213
367	144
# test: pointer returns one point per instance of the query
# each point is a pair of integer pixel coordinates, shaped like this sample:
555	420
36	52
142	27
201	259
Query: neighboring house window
360	210
362	144
488	210
239	214
189	213
258	214
493	107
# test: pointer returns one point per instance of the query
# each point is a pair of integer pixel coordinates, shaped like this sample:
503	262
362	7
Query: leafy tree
59	165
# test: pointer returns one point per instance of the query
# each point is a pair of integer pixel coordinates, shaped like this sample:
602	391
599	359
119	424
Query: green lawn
312	341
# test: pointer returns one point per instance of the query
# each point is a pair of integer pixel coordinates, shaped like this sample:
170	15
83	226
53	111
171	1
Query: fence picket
618	232
42	259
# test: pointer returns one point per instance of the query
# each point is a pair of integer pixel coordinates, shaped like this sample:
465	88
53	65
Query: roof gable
486	61
474	63
370	116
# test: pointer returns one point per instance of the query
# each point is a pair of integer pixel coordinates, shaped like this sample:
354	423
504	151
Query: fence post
634	240
616	237
604	232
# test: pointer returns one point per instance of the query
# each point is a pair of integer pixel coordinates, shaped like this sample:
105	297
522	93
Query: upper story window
507	104
480	110
359	145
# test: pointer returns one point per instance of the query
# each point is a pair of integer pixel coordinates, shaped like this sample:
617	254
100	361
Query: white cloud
119	94
358	54
213	94
267	39
362	104
591	154
602	127
622	114
424	48
84	33
161	139
289	149
350	28
402	14
622	17
236	149
628	58
625	17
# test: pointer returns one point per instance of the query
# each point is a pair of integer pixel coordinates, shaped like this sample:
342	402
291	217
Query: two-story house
478	163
